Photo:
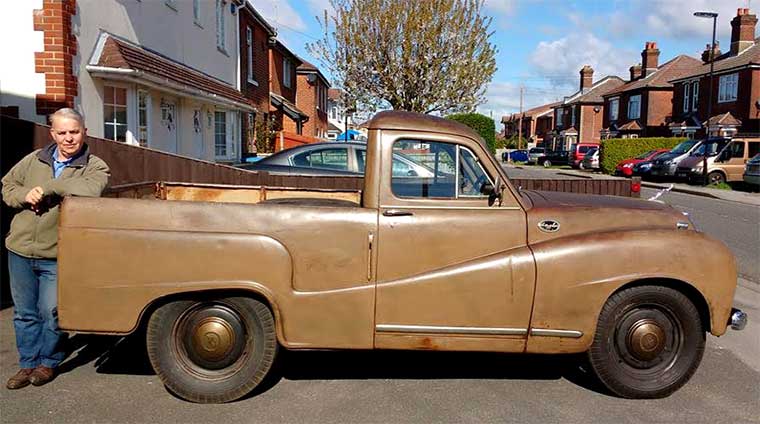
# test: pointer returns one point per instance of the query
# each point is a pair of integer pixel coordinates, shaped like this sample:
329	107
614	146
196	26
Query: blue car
515	156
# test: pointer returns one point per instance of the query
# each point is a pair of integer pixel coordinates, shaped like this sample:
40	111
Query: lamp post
714	17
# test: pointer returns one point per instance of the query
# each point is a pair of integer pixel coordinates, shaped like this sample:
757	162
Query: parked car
666	164
515	156
590	159
625	167
578	151
332	158
726	159
554	157
534	153
752	171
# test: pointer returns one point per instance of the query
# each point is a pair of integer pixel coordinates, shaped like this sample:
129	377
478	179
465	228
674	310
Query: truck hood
692	161
558	214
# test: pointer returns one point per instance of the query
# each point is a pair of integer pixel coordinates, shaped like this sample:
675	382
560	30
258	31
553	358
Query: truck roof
401	120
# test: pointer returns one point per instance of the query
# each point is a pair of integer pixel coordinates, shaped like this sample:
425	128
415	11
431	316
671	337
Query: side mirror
411	173
492	192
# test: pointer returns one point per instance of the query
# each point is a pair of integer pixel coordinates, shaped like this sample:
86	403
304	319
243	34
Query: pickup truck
220	278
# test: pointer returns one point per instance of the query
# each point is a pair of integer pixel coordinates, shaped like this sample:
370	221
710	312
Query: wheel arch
260	295
688	290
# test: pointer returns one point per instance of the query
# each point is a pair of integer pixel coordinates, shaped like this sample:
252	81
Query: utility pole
519	120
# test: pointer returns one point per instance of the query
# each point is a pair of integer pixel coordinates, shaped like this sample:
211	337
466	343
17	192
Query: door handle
397	212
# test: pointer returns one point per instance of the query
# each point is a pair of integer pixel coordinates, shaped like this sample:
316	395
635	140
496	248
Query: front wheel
547	163
212	351
649	341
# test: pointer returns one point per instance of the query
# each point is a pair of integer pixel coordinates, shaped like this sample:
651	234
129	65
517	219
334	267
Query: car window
333	158
361	159
434	166
583	149
591	151
402	166
737	149
753	148
471	174
536	150
684	146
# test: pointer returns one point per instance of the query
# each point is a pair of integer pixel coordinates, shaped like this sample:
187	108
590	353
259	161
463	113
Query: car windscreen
684	147
644	155
590	152
713	148
537	150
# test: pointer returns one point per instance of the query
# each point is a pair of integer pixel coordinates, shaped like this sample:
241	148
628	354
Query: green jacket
35	234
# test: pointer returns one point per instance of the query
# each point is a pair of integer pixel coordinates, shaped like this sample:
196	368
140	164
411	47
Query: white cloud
502	8
675	17
279	12
559	61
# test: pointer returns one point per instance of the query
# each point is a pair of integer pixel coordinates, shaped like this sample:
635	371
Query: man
36	185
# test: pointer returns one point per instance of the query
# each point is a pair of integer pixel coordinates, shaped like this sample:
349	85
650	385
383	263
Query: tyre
716	177
649	341
212	351
547	163
580	166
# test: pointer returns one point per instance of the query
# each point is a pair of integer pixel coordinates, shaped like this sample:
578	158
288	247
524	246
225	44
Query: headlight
628	165
645	166
697	169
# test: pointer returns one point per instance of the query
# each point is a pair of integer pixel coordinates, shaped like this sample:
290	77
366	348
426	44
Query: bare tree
431	56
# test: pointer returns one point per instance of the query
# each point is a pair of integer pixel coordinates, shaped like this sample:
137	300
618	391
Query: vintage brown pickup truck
456	260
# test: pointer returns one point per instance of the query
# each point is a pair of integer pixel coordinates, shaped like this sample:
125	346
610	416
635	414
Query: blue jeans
35	316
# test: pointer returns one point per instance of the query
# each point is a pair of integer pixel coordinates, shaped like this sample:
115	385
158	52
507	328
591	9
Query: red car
625	167
578	152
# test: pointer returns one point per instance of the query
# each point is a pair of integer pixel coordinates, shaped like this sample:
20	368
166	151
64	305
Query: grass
721	186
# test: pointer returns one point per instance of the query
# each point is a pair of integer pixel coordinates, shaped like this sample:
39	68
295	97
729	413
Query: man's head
68	131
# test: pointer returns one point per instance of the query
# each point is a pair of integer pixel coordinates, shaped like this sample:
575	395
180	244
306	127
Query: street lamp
714	17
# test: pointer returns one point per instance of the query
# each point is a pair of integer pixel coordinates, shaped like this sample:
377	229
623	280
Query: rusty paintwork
527	274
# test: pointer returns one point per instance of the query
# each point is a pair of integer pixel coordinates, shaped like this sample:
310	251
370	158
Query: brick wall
590	122
56	61
659	109
276	76
307	99
258	94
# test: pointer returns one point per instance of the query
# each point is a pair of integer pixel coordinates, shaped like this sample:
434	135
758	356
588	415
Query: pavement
729	195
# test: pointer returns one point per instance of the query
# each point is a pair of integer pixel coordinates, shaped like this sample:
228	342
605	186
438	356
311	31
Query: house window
143	116
686	96
728	87
220	42
634	107
694	95
572	117
249	46
220	134
559	118
115	113
614	106
287	70
197	11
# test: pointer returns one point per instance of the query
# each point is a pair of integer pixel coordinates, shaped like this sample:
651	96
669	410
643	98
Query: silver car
535	153
590	159
333	158
752	171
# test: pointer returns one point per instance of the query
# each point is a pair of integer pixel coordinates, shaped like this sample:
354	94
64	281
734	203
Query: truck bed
237	193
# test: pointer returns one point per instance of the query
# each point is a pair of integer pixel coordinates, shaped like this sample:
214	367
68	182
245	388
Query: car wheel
716	177
547	163
580	166
212	351
649	341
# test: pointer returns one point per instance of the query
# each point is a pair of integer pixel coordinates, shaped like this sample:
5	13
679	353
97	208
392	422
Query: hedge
482	124
616	149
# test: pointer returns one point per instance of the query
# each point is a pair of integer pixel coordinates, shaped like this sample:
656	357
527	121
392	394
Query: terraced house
643	106
735	90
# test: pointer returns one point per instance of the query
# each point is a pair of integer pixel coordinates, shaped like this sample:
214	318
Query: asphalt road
108	379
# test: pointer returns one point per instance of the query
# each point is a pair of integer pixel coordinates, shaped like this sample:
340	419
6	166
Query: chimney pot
649	58
587	77
742	31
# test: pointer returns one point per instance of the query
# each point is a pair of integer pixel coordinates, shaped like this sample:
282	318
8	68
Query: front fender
576	275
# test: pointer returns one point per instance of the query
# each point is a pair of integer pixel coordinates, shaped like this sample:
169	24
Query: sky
542	44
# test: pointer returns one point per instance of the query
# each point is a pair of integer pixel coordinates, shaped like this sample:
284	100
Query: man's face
68	134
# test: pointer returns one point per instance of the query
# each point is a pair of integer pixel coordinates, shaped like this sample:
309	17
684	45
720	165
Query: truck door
453	273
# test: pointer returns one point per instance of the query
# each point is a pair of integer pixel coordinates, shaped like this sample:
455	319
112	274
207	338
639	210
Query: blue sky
543	43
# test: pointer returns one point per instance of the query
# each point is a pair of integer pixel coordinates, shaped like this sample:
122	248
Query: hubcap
646	339
213	337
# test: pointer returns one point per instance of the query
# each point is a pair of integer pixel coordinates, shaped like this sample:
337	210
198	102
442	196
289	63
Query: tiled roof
630	126
725	119
308	68
121	54
531	113
288	107
594	95
750	56
675	68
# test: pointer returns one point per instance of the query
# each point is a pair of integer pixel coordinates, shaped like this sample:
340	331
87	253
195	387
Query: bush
482	124
614	150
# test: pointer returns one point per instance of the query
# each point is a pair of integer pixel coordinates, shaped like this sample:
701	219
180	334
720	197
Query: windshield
537	150
644	155
684	147
591	151
713	148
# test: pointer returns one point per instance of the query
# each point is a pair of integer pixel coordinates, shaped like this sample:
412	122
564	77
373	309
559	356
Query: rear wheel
716	177
648	343
212	351
547	163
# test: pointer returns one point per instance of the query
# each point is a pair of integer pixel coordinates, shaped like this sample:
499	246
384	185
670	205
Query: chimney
649	58
635	71
587	77
706	53
742	31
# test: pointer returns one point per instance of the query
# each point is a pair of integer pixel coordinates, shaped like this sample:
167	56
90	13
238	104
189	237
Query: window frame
249	50
225	154
728	88
686	96
287	72
637	97
148	118
115	123
221	28
197	13
695	96
615	101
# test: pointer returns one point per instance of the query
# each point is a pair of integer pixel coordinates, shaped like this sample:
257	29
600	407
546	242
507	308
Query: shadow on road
127	355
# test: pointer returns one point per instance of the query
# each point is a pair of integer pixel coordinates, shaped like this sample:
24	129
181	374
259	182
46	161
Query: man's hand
34	196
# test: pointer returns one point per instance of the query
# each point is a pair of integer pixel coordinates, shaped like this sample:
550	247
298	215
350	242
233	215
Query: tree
431	56
482	124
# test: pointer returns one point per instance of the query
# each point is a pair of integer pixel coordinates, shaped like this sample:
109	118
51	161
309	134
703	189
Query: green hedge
616	149
482	124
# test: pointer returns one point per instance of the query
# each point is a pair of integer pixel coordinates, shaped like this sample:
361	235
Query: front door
453	273
169	124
